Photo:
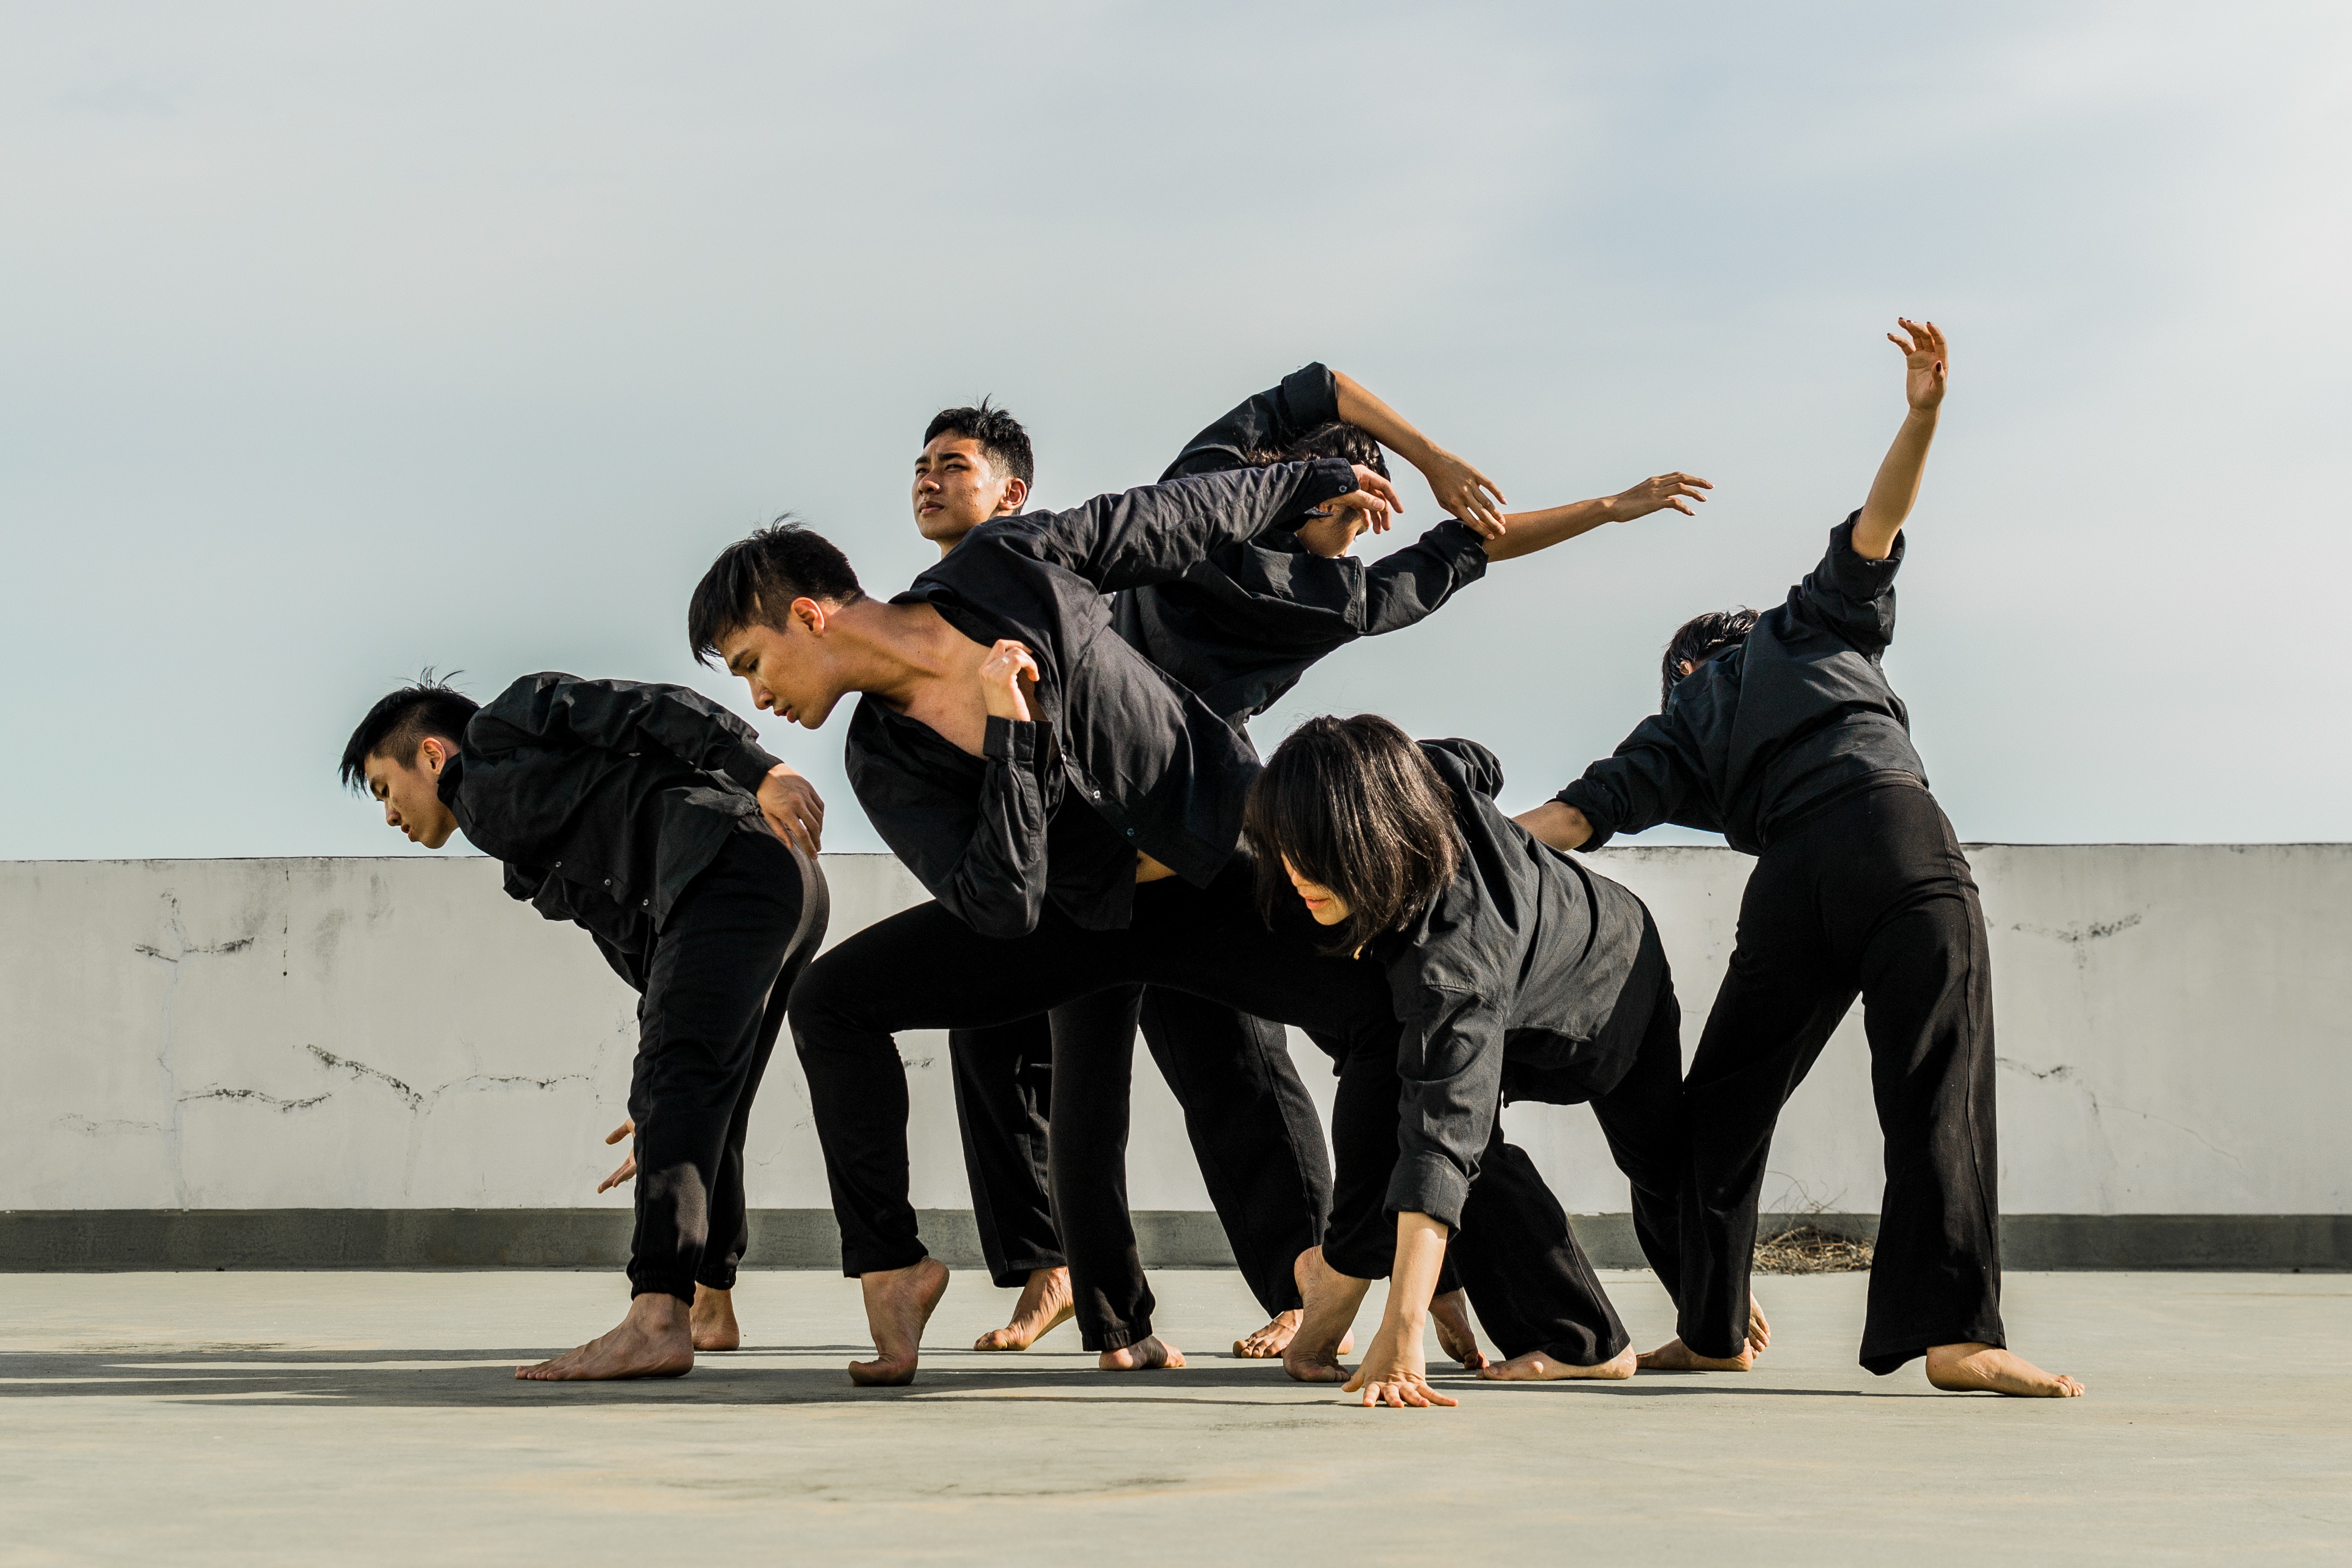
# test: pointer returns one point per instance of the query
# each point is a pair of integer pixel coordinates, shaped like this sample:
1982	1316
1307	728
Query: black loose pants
1869	897
924	968
1516	1253
1252	1124
722	970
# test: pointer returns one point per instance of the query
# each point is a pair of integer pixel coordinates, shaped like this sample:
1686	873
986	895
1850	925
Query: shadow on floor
246	1374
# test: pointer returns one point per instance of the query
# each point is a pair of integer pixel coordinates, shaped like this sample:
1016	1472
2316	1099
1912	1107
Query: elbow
999	920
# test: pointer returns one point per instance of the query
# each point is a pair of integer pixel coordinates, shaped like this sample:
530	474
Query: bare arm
1459	489
1528	532
1556	824
1393	1371
1896	489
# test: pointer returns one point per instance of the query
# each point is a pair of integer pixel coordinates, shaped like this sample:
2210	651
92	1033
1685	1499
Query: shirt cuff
1310	395
1429	1184
1579	795
749	767
1857	578
1465	552
1011	741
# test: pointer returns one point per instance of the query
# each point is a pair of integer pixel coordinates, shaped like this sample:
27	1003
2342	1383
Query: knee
822	1003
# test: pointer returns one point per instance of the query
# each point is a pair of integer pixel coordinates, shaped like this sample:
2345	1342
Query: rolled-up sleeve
1449	1092
1651	778
1159	532
1265	422
1404	586
1848	595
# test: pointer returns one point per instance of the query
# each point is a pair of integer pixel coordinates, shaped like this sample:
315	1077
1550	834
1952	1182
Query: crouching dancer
1075	817
1780	731
1517	974
649	816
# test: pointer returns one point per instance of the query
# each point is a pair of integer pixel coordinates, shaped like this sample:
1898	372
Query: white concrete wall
397	1033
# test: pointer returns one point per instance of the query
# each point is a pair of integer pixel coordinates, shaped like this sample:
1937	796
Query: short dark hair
1699	639
399	724
1002	440
754	580
1356	806
1334	438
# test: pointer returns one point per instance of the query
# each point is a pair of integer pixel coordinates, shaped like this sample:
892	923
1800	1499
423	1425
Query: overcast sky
339	341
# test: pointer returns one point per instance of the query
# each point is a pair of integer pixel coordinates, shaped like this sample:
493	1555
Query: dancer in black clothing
649	816
1780	731
1517	974
1239	629
1048	786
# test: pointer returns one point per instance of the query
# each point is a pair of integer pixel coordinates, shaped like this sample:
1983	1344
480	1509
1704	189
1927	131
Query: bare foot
652	1340
1275	1338
1676	1356
1332	1300
713	1320
1144	1355
898	1303
1537	1367
1044	1306
1451	1314
1979	1368
1760	1332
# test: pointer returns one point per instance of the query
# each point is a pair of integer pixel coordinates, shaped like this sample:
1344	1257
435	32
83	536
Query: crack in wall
361	1069
179	949
89	1128
259	1097
2071	1076
2081	935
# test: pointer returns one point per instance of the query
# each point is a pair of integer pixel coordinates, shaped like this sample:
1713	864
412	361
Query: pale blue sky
340	341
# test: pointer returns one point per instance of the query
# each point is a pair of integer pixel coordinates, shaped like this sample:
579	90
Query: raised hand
1924	360
1677	490
1465	492
628	1170
793	808
999	681
1373	497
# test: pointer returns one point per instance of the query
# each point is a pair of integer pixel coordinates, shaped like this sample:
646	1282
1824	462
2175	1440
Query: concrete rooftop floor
350	1418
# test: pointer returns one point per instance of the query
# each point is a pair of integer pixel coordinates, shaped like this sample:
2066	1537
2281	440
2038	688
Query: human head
975	464
764	610
1699	639
397	755
1349	816
1333	534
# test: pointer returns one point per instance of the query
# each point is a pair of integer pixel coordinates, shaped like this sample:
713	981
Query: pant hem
1114	1339
852	1265
654	1288
1882	1362
1568	1357
1013	1276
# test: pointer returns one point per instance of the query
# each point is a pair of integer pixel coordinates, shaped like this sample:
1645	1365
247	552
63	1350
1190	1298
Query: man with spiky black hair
649	816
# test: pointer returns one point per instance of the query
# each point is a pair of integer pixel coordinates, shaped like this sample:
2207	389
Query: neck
892	651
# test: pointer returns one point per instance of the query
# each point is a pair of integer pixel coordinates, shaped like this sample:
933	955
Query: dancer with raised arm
649	816
1780	731
1239	629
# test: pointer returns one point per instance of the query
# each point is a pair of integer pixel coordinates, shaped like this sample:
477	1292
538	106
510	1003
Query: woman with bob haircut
1517	973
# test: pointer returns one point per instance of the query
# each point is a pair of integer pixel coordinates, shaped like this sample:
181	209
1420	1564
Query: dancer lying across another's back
1780	731
1517	974
1239	629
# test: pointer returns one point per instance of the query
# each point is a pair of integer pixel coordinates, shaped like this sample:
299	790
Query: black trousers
713	1004
1871	897
1251	1122
923	969
1516	1253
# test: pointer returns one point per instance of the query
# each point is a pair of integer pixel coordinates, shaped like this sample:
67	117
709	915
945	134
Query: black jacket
1242	627
1158	772
1529	977
604	799
1757	737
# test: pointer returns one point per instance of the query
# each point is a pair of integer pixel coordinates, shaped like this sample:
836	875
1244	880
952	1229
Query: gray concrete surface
2174	1038
363	1418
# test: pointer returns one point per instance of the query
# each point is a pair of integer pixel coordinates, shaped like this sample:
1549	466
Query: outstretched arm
1459	489
1528	532
1896	489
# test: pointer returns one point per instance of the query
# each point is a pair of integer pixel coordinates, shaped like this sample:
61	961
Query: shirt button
1131	832
608	882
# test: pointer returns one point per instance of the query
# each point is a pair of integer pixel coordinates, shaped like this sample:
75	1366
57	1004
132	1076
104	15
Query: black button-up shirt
1508	986
1755	736
1242	627
1158	773
604	799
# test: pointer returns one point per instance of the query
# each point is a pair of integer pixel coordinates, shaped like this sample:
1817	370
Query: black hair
1701	638
1355	805
1334	438
754	580
399	724
1002	440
